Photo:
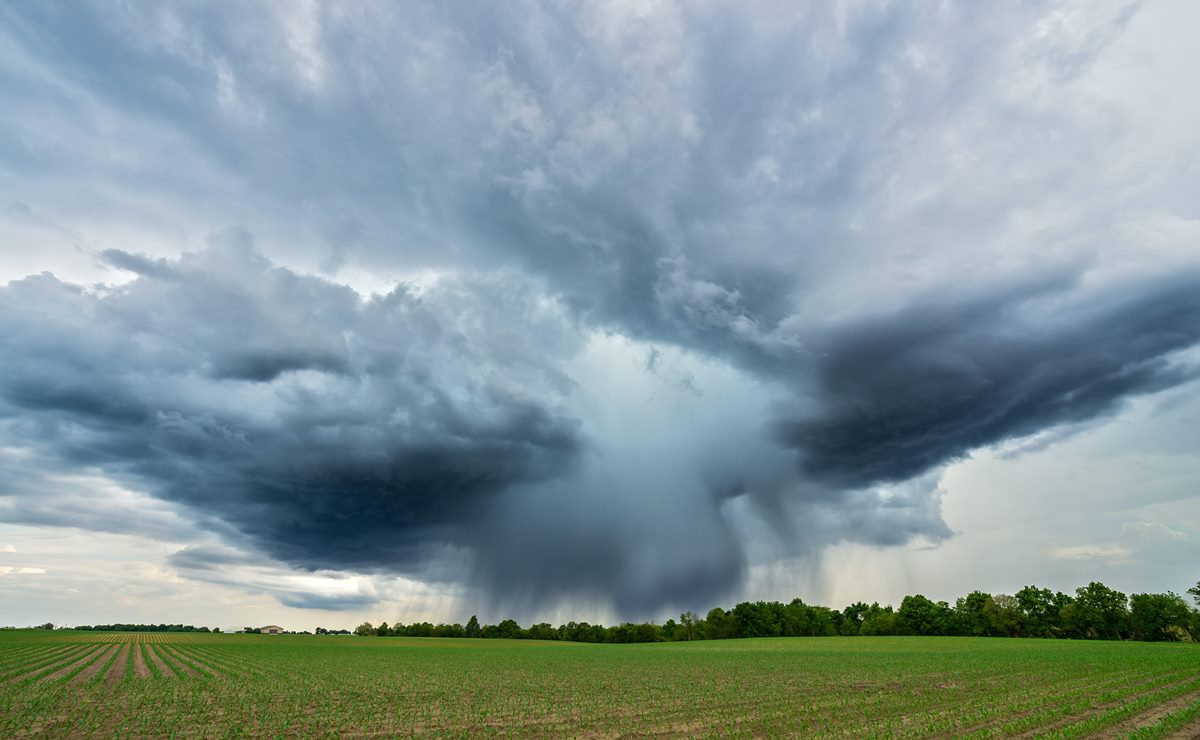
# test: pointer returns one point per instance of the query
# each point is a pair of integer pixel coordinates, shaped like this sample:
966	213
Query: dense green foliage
1095	612
141	628
73	684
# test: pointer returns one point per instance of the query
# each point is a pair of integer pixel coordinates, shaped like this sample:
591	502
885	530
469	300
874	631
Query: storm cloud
603	304
329	429
904	393
368	433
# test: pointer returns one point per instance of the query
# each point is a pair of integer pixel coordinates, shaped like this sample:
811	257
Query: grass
863	687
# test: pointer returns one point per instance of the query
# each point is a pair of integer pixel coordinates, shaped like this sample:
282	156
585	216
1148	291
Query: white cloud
1151	532
1090	552
25	571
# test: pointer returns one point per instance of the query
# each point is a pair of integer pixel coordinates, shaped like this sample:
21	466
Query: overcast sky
316	312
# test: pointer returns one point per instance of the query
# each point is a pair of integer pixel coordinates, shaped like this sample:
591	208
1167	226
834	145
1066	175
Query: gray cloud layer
330	430
907	231
904	393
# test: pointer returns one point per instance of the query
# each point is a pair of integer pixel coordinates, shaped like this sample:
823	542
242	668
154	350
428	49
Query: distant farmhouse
271	629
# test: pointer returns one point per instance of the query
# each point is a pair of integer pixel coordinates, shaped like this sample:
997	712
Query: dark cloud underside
905	393
357	454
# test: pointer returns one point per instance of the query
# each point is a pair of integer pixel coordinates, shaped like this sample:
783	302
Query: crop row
112	661
151	637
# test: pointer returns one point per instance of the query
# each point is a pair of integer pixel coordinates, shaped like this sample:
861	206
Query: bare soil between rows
73	662
96	666
170	654
117	672
1149	717
140	669
159	663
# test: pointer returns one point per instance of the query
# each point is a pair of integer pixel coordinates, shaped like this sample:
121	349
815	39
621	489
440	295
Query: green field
82	683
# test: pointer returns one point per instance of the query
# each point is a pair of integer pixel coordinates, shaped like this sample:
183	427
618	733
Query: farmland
73	683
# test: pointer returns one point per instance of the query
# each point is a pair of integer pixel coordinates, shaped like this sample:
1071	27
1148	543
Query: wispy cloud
1092	552
1153	532
24	571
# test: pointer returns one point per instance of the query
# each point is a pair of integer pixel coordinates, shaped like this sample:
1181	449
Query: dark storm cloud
137	263
330	431
772	188
328	602
198	557
903	393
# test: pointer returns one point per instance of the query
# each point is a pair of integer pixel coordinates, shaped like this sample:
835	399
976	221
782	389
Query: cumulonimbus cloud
871	240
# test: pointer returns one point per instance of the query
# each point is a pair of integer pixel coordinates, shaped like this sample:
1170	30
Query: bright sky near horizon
316	312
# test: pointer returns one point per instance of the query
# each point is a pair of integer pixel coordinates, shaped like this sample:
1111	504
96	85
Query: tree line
1094	612
135	628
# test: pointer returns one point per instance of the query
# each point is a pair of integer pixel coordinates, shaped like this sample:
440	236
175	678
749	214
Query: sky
317	312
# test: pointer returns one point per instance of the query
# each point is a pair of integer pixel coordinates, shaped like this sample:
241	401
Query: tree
541	631
1042	611
797	620
1004	616
759	619
582	632
852	618
419	629
669	629
973	612
920	616
1195	592
1099	612
366	629
687	621
1158	617
509	630
822	621
473	627
449	630
880	620
646	632
721	625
